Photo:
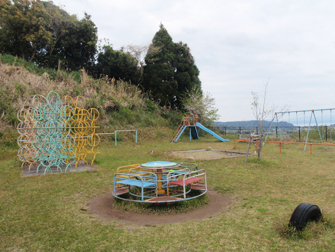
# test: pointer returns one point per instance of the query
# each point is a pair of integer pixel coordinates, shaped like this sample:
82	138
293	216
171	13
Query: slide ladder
187	120
178	133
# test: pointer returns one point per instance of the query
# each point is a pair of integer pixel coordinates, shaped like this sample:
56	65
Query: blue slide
211	132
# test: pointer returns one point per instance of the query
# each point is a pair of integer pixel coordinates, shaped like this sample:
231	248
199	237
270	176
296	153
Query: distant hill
251	124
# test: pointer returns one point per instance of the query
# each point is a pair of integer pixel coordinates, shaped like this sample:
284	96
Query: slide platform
211	132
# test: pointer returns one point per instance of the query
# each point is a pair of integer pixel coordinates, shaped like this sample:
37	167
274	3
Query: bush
150	105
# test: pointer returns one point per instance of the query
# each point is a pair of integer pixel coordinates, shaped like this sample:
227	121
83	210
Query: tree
76	48
261	112
44	33
170	71
202	105
117	64
60	21
24	28
186	72
138	52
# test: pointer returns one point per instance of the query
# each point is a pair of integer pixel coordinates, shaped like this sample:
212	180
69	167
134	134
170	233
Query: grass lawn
49	213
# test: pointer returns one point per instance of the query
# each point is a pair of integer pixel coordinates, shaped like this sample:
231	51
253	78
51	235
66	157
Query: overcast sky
238	45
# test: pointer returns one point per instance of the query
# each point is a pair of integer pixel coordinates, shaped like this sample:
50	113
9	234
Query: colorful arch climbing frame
83	128
56	132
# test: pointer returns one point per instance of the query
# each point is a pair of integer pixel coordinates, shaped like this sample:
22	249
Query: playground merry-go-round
159	182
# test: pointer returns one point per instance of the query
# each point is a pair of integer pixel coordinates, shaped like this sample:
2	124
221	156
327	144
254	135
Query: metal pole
309	126
276	131
246	157
318	129
267	134
280	131
126	131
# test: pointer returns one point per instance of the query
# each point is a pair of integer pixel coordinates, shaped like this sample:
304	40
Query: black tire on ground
304	213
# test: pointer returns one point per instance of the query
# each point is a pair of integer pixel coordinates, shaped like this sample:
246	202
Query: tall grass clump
311	231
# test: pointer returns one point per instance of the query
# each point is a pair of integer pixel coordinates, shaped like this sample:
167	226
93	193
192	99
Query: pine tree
170	71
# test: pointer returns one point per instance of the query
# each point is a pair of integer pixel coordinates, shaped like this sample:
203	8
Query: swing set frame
312	115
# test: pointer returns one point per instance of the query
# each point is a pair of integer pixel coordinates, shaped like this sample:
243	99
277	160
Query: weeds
8	138
312	230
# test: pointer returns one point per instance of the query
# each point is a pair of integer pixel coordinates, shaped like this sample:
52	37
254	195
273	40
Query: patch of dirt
200	155
206	154
103	207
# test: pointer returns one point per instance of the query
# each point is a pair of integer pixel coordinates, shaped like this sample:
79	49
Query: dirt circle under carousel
103	208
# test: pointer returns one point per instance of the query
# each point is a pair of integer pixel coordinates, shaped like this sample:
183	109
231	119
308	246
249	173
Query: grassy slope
121	105
44	213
